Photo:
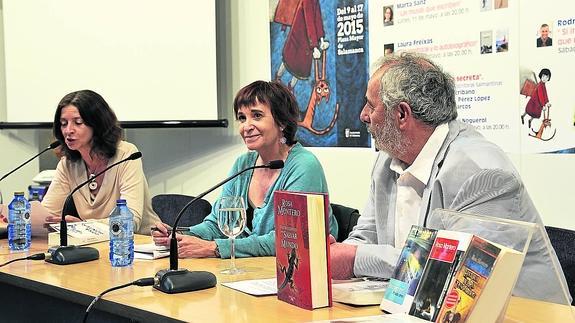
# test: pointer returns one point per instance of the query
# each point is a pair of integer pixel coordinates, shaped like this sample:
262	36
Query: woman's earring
283	139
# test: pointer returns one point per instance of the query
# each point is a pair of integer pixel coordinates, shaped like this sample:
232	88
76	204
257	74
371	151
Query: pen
178	229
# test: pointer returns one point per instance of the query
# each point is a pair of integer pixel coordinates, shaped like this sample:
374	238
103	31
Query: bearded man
429	160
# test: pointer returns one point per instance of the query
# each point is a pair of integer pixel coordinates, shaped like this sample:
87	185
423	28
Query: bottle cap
121	201
18	193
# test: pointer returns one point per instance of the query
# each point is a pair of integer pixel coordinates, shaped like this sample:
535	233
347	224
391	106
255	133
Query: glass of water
232	222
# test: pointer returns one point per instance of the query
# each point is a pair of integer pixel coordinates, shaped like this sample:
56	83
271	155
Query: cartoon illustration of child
538	101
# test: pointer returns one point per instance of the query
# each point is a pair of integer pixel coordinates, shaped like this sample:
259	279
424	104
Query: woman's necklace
93	183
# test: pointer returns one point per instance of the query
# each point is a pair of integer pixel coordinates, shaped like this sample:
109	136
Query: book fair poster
547	66
491	48
319	49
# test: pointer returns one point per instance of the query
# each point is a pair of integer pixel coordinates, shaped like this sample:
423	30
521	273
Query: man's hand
342	259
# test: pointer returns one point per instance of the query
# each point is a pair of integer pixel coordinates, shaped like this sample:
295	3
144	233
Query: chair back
563	241
346	219
167	207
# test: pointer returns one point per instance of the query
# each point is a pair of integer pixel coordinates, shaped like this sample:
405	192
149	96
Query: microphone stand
174	280
64	254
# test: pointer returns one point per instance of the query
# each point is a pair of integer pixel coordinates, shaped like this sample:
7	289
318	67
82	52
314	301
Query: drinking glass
232	222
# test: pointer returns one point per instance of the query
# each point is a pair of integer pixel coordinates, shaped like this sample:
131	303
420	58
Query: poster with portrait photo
483	79
388	15
545	101
544	35
388	49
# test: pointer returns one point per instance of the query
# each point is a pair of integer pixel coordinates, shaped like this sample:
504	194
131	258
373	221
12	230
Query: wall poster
319	49
511	62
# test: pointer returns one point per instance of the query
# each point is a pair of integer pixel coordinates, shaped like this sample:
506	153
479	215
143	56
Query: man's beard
387	136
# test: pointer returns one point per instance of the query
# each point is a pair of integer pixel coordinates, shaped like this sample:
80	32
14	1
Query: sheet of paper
149	247
150	251
256	287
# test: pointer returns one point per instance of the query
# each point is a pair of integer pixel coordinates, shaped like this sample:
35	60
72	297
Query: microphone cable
140	282
38	256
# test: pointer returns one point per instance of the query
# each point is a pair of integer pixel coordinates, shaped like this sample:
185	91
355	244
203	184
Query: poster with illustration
546	104
319	49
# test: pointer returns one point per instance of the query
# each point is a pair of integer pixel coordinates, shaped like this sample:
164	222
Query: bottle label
21	215
26	217
116	227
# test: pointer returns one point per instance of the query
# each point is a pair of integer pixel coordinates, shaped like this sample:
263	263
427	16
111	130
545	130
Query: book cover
407	273
80	233
486	284
477	264
444	259
302	248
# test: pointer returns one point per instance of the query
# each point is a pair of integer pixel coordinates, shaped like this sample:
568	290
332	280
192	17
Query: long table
34	290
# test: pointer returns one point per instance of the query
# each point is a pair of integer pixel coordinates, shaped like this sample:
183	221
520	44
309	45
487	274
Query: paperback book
482	286
407	274
444	259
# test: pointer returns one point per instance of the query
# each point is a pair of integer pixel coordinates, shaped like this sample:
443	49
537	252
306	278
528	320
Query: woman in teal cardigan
267	113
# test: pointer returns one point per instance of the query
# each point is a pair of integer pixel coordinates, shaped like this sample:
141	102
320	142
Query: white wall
191	160
15	145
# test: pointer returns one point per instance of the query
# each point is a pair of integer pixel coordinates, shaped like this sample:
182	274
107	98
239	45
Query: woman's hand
57	219
193	247
161	236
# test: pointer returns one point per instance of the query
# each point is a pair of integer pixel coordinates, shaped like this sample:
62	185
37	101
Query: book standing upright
482	286
408	270
302	248
444	260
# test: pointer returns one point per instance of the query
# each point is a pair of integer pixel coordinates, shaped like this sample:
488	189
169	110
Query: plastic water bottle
121	235
19	227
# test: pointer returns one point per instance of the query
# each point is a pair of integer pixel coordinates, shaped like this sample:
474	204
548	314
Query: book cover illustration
302	249
407	273
444	259
478	262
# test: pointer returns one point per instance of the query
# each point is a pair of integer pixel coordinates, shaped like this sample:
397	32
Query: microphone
51	146
64	254
174	280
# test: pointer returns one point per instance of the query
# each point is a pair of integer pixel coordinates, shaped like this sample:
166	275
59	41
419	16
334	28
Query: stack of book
460	278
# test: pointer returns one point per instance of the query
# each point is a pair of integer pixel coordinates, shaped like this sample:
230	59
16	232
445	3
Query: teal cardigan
302	172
